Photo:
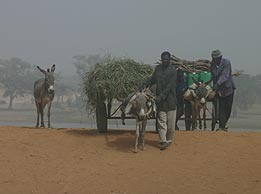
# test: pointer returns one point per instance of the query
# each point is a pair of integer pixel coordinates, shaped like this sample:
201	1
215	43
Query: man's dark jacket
165	78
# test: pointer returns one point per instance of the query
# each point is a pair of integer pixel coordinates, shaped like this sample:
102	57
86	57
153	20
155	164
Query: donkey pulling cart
116	79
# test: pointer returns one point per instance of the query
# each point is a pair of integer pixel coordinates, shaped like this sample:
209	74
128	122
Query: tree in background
83	65
246	92
258	87
17	78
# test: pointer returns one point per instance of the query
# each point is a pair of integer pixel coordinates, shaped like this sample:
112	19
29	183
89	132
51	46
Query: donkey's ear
43	71
48	70
195	81
53	68
144	90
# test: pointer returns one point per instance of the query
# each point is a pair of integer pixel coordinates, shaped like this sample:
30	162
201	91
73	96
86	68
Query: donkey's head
140	106
201	90
49	78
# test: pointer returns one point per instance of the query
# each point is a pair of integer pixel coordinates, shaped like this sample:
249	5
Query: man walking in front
224	86
165	76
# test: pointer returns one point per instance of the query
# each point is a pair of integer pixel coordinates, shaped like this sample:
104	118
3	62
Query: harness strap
117	109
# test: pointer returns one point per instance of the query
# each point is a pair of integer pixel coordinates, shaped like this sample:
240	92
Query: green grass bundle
115	78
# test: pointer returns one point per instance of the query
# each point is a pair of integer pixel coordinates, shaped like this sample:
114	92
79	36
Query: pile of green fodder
190	66
115	78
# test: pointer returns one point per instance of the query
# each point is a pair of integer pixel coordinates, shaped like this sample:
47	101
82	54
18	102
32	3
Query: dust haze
53	31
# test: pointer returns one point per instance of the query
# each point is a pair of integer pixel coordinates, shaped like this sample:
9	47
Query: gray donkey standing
141	105
44	94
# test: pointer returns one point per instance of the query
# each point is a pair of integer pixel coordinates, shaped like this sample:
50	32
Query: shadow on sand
120	140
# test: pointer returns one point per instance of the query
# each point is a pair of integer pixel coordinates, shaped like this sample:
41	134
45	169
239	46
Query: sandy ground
81	161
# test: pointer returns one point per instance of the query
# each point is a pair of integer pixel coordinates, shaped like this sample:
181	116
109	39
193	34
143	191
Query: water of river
111	125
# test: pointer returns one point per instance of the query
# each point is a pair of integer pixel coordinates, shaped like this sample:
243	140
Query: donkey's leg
193	120
38	111
143	128
49	114
214	116
194	116
41	107
204	116
199	118
137	136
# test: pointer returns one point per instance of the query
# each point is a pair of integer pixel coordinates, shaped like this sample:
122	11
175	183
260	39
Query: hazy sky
53	31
